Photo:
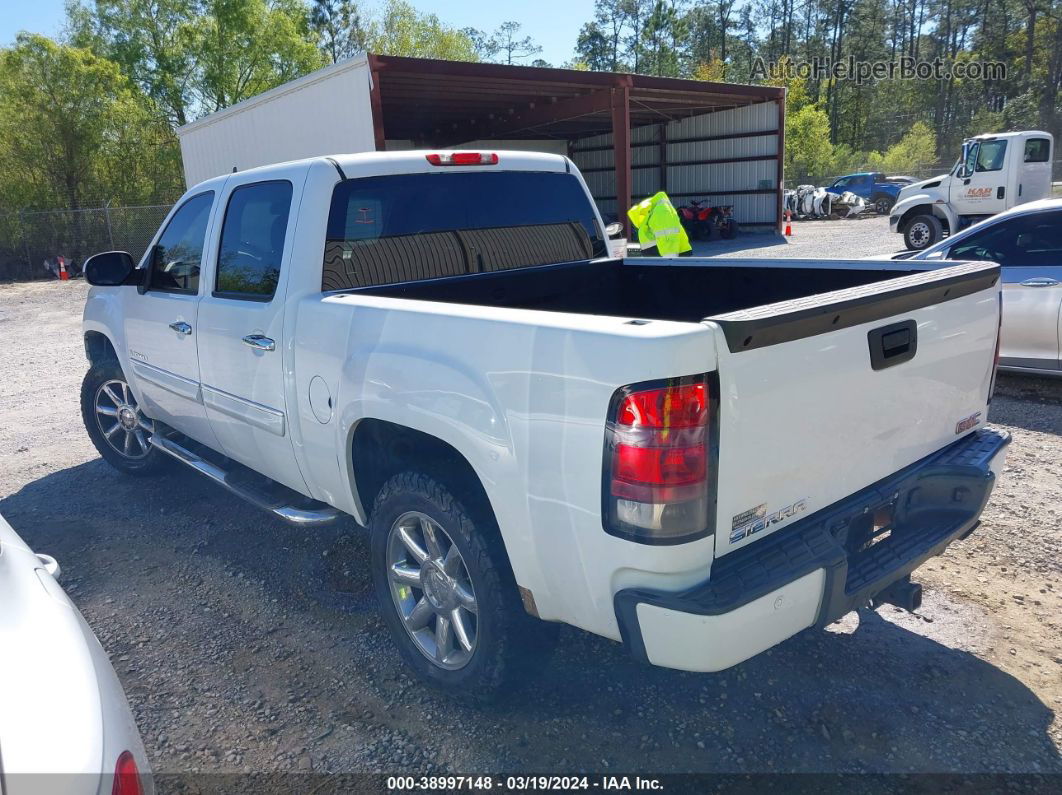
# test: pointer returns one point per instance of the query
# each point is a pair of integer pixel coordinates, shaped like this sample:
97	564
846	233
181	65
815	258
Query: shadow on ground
743	242
880	698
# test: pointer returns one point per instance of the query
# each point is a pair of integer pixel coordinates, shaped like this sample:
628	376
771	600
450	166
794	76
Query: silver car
65	726
1027	242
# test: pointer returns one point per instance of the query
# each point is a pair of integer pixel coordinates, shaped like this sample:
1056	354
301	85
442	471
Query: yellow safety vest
658	224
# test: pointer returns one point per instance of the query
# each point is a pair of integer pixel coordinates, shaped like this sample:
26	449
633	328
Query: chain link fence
29	237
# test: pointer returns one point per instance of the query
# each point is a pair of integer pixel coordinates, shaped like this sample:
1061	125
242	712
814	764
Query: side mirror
614	229
110	269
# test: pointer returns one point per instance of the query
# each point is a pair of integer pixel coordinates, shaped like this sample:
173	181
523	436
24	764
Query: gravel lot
862	236
246	645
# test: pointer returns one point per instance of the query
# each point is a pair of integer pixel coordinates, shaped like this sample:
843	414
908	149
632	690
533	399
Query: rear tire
118	429
728	229
922	231
446	592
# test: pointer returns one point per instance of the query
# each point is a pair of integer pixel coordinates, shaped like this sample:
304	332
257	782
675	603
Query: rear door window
1037	150
252	241
406	227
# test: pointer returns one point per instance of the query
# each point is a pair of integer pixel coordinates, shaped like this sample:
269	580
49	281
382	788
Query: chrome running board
301	516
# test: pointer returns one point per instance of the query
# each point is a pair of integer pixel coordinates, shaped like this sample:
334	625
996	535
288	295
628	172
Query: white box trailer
632	135
322	113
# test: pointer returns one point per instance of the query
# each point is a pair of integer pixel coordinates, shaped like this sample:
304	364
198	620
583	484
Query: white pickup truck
697	457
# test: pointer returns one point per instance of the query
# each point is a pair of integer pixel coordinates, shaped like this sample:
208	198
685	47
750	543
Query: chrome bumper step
313	514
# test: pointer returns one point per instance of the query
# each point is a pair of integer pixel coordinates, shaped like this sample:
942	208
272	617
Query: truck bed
688	289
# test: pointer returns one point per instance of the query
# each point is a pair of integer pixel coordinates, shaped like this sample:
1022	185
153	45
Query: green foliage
197	56
725	39
402	30
808	151
249	46
154	42
338	25
74	128
916	151
505	45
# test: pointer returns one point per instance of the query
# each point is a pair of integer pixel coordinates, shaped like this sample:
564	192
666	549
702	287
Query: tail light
657	461
126	776
463	158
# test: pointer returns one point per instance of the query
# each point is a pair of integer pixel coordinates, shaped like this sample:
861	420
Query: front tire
119	430
922	231
444	588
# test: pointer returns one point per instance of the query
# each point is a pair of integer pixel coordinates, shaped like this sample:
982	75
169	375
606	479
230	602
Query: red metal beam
376	104
642	86
780	103
662	156
621	142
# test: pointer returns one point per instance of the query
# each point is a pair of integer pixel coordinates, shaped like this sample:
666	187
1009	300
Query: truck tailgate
822	396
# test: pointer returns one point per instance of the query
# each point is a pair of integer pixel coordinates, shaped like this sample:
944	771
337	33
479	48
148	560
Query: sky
553	24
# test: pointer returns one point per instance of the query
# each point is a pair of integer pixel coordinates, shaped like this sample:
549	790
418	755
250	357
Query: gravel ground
246	645
868	235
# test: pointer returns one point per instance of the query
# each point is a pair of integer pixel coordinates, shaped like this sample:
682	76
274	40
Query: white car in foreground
1027	242
65	725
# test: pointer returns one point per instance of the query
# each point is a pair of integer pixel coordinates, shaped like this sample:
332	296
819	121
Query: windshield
406	227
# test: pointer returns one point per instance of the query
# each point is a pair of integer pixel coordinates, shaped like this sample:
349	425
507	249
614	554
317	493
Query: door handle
1040	281
259	343
181	327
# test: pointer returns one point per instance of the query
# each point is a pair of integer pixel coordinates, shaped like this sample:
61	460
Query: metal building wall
692	149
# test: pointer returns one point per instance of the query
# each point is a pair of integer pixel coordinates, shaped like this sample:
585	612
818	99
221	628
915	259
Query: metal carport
637	133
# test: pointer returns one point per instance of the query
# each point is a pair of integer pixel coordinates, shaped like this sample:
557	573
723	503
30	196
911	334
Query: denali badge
967	423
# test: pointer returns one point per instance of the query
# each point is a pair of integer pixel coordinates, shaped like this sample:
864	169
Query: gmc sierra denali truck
696	457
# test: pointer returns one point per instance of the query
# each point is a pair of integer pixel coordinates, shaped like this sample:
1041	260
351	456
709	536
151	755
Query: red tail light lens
668	407
126	776
463	158
657	461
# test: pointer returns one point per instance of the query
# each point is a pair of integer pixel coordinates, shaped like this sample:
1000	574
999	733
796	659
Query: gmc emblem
966	424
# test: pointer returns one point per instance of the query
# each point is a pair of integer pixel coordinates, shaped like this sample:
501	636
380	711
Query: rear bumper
816	570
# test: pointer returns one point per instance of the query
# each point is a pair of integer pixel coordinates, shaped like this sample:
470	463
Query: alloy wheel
120	420
432	590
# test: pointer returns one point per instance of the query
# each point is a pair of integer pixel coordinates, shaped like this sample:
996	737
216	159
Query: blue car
879	191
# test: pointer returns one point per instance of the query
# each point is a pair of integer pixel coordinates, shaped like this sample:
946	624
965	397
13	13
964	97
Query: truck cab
993	174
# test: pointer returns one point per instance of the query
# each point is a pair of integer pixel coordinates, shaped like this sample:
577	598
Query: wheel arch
99	347
380	449
940	211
